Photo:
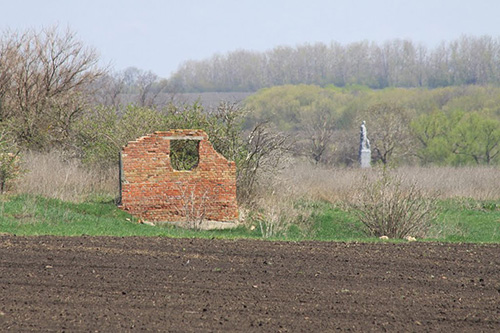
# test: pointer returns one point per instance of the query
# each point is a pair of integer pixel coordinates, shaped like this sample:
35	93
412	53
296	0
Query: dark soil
192	285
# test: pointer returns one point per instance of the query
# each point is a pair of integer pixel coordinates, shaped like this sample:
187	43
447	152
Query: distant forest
396	63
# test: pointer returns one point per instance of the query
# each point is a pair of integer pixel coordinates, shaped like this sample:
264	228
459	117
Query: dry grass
51	176
340	184
277	211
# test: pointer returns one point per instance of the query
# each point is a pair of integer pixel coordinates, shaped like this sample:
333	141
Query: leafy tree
431	134
476	138
458	137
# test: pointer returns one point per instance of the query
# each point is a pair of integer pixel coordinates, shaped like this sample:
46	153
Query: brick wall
152	190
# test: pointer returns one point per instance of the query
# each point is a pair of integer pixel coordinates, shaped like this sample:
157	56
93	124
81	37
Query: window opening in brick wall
184	154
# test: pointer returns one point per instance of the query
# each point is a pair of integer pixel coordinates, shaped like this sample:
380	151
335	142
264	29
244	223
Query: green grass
459	221
468	220
35	215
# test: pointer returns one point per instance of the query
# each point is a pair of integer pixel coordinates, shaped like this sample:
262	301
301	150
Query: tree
147	88
390	134
458	137
47	77
431	134
318	127
476	137
264	150
310	113
109	90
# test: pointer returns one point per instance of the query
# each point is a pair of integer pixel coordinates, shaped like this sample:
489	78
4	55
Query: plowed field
192	285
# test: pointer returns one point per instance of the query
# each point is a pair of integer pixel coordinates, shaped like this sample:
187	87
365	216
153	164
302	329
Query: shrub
386	208
9	161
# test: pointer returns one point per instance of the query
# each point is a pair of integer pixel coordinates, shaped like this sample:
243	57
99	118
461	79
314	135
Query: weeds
193	206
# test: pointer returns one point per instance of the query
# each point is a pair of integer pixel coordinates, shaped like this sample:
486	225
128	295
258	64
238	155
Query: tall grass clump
277	213
387	208
278	208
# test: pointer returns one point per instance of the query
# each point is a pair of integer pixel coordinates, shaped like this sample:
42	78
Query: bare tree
7	55
318	129
109	89
264	153
145	87
45	76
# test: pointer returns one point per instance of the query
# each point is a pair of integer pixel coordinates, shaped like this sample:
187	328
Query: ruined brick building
154	190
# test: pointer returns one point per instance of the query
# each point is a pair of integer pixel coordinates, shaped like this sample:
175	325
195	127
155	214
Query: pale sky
160	35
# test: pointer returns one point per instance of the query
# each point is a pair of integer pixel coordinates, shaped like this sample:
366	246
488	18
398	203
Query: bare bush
386	208
52	176
265	152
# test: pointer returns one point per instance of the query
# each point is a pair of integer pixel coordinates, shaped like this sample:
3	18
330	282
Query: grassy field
459	221
58	197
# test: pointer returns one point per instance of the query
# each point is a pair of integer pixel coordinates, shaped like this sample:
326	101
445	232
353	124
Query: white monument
365	153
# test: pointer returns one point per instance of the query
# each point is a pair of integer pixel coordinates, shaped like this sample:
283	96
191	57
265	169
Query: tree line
444	126
395	63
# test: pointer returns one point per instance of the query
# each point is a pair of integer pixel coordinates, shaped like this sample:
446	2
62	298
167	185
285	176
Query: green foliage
430	132
476	139
102	132
458	138
286	106
184	154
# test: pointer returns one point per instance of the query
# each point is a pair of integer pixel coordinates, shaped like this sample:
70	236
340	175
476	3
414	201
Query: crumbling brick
152	190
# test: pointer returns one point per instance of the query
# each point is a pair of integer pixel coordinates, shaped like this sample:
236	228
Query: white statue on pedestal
365	153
